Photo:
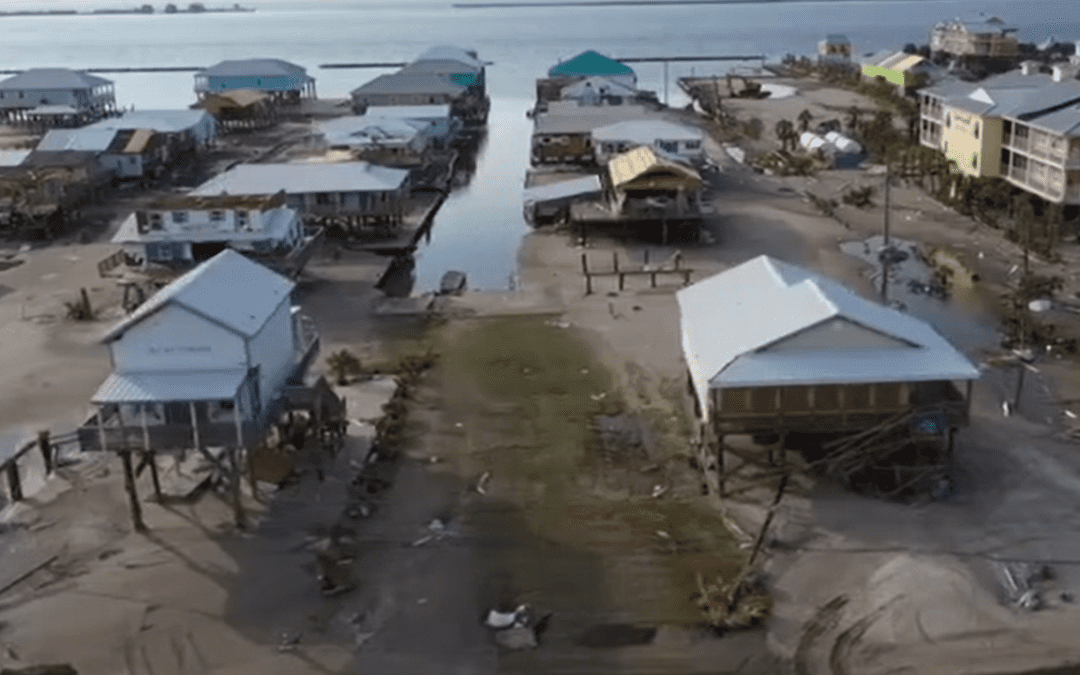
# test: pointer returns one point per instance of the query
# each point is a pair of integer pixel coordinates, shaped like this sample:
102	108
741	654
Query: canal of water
478	229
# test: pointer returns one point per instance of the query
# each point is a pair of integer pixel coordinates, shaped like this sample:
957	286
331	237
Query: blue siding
273	83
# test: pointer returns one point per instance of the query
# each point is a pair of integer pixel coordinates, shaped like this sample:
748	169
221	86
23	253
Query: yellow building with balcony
972	142
969	123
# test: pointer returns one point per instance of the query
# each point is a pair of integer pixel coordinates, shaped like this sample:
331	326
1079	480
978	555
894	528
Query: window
322	198
975	160
156	222
976	130
241	219
693	145
217	216
948	120
179	216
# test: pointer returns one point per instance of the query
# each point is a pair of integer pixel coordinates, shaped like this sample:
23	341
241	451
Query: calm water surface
480	227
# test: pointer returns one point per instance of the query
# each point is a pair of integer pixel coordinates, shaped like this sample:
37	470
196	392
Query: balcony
162	436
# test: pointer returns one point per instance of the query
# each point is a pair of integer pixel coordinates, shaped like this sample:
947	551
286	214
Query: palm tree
785	132
853	118
804	120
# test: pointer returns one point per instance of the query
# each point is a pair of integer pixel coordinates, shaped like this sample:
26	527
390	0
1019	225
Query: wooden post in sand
129	475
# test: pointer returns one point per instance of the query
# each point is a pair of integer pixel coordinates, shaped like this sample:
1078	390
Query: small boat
453	282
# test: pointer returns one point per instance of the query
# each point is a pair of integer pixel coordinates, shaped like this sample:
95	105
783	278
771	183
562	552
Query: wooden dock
671	266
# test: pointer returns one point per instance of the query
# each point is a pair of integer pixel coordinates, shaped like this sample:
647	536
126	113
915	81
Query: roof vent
1029	68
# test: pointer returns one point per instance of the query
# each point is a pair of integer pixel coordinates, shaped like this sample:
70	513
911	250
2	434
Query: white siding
837	334
273	350
176	339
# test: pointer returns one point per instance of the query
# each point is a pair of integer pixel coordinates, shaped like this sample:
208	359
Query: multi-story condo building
988	39
1016	125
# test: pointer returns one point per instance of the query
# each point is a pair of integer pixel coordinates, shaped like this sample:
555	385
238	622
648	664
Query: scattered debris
1020	581
289	641
434	459
362	638
499	620
651	468
558	324
421	601
1070	414
598	397
517	630
358	511
658	491
480	484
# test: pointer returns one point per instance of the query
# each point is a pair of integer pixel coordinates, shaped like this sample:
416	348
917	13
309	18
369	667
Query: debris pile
518	629
900	458
1025	584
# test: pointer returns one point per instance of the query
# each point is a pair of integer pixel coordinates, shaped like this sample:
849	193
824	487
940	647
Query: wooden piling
14	484
133	495
46	450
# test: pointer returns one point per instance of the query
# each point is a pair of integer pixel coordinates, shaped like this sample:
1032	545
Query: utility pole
665	82
883	255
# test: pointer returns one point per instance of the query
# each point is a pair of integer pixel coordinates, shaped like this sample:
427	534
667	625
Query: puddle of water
911	287
479	228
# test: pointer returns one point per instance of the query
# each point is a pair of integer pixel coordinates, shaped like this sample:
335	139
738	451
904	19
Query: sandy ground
860	586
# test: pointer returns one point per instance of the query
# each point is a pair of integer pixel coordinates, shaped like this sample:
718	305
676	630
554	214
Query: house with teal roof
590	64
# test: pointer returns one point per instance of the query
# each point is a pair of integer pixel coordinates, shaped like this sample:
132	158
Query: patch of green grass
525	392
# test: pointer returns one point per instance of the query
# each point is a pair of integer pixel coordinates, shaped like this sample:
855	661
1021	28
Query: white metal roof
729	318
563	190
266	179
369	129
567	117
13	157
228	289
214	385
77	139
600	85
161	121
412	112
53	78
409	83
647	131
445	53
254	67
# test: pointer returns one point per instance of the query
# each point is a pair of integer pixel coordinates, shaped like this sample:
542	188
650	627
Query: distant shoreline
614	3
109	12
